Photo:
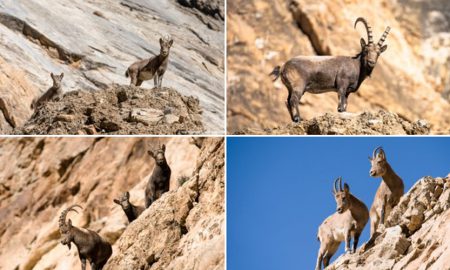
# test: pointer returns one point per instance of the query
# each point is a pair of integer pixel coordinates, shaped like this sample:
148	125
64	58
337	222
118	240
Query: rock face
416	233
366	123
93	43
117	110
411	77
184	229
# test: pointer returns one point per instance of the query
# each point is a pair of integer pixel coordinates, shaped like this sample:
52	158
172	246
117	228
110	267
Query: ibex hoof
296	119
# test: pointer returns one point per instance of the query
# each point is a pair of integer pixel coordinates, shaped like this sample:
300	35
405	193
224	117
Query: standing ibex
132	211
320	74
52	93
153	68
159	182
389	192
348	222
90	245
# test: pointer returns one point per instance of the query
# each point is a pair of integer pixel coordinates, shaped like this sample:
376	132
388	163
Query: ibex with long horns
90	245
320	74
347	222
389	192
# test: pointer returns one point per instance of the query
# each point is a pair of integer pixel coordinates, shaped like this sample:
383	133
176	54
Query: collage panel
112	203
338	67
131	67
292	203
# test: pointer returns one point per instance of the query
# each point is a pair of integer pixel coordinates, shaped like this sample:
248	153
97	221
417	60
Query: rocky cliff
184	229
411	79
416	233
93	42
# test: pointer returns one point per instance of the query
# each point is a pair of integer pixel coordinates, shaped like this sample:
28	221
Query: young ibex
90	245
52	93
389	192
155	67
348	222
132	211
320	74
159	181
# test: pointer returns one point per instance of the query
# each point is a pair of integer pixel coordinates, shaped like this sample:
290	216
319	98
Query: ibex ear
69	222
346	188
163	147
62	75
150	152
127	195
160	41
117	201
370	158
171	42
382	49
363	44
52	75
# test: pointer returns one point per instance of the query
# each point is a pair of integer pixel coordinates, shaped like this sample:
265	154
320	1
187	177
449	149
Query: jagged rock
415	235
41	38
410	79
367	123
185	227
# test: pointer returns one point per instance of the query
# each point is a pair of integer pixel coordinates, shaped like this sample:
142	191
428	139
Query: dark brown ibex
320	74
388	193
90	245
159	181
347	222
132	211
52	93
153	68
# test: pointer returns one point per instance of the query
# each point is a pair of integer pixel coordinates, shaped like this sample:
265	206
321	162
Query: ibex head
159	155
57	79
66	228
165	43
378	162
371	51
341	195
124	201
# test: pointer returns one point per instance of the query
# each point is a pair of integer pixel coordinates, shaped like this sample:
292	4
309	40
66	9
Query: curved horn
62	218
375	151
383	37
335	182
340	183
368	29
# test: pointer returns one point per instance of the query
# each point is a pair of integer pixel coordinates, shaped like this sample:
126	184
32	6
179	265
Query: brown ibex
152	68
320	74
389	192
159	181
132	211
347	222
51	93
90	245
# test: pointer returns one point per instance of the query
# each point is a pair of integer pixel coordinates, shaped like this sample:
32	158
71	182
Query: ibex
159	181
90	245
389	192
320	74
52	93
130	210
347	222
153	68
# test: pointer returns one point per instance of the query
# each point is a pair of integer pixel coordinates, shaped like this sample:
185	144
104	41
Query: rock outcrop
184	229
366	123
94	42
416	233
117	110
410	79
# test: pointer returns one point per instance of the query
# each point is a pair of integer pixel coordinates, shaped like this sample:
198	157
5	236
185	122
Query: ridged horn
62	218
368	29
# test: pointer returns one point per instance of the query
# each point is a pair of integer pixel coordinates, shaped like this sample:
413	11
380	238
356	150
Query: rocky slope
93	42
411	78
366	123
118	109
416	235
41	176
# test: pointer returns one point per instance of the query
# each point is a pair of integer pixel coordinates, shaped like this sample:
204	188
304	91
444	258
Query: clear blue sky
279	190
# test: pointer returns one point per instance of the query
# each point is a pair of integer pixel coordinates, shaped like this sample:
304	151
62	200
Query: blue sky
279	190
